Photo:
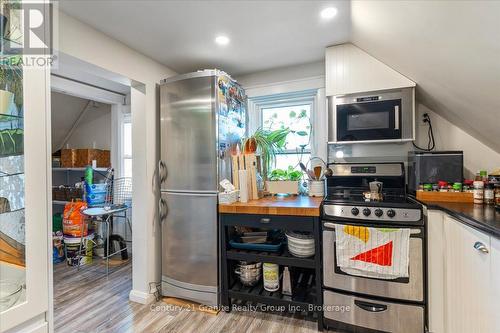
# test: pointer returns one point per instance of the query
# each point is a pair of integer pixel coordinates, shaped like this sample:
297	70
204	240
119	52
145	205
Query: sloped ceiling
450	48
65	111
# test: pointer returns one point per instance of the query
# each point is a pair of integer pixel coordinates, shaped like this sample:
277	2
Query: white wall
477	155
94	129
282	74
85	43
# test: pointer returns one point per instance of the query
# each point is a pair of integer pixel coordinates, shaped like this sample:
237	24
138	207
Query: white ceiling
450	48
180	34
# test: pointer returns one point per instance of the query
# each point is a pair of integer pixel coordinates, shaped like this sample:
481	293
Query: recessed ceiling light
329	12
222	40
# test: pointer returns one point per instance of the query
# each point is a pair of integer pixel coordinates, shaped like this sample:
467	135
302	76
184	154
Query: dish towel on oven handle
381	253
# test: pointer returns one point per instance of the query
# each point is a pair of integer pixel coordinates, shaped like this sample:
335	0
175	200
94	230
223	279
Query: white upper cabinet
351	70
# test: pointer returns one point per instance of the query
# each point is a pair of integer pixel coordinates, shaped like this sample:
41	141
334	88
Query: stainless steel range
358	303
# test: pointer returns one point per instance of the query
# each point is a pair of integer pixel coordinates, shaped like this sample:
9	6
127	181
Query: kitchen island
276	215
276	205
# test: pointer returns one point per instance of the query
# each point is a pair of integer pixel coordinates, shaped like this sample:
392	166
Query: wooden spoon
317	172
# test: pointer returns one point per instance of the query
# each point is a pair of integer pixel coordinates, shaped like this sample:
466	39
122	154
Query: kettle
376	186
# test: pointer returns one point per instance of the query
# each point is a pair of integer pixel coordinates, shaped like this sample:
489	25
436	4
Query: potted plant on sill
267	143
284	181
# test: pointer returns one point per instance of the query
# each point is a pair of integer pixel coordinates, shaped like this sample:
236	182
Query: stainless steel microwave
384	116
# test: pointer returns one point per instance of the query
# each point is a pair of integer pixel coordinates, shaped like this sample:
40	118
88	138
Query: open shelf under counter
282	257
296	213
257	294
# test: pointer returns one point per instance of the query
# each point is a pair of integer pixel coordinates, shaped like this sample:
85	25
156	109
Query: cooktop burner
388	200
346	197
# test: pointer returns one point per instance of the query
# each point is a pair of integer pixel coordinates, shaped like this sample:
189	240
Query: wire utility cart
117	201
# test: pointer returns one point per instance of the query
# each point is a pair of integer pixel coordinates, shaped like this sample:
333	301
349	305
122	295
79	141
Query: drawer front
303	223
373	314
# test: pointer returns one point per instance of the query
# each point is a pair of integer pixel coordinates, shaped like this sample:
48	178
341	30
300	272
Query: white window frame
126	119
256	104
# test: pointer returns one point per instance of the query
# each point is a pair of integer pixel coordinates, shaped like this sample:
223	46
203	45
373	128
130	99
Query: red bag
73	219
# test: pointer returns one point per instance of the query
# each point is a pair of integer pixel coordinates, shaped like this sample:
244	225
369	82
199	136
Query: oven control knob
378	212
391	213
354	211
367	212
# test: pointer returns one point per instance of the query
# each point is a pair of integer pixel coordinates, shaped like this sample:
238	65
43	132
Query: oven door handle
329	225
370	307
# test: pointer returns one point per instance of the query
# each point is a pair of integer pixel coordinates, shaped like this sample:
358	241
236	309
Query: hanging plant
266	143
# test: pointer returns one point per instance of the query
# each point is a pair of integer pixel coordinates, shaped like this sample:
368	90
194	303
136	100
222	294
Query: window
295	113
126	170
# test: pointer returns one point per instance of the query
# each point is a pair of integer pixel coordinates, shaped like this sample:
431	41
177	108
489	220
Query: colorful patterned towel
381	253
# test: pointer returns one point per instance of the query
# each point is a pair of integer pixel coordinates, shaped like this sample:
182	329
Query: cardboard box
68	158
85	157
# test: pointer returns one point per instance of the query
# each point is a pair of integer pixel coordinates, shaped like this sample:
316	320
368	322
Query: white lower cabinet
467	279
464	277
495	284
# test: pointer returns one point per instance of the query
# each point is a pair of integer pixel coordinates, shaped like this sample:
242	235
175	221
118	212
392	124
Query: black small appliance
429	167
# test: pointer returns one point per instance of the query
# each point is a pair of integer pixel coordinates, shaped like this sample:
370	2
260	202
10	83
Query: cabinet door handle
265	220
370	307
481	247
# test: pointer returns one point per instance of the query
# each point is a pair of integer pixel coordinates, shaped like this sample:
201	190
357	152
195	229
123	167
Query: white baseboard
141	297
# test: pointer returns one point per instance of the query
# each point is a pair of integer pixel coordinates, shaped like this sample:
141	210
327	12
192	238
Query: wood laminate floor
87	302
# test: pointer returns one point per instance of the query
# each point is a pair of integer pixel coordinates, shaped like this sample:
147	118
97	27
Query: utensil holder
316	188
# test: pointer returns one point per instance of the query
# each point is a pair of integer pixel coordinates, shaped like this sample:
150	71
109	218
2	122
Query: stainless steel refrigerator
202	117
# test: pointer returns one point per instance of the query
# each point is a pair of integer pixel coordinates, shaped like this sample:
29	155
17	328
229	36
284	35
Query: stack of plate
300	244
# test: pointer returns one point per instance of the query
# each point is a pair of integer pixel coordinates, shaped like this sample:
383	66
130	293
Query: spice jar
457	187
468	185
497	196
478	192
489	194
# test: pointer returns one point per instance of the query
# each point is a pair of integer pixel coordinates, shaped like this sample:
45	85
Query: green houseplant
284	181
267	143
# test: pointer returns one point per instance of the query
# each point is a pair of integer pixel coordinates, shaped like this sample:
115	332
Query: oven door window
369	121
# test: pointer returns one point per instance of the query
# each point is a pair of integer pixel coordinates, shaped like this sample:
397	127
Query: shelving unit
305	272
79	169
283	258
69	175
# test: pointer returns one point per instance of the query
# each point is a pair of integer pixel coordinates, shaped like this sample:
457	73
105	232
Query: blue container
96	194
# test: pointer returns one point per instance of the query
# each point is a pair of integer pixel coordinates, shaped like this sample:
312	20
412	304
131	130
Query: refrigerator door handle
163	210
162	171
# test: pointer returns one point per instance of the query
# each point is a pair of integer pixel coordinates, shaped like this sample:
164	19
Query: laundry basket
113	193
119	192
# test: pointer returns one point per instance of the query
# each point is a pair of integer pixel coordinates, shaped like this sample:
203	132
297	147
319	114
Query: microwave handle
396	117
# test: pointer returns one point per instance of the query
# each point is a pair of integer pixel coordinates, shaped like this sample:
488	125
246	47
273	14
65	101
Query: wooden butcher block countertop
292	205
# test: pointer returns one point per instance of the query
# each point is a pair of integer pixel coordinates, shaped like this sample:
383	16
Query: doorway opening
92	224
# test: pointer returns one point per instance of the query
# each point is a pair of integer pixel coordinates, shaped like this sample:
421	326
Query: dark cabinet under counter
305	273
